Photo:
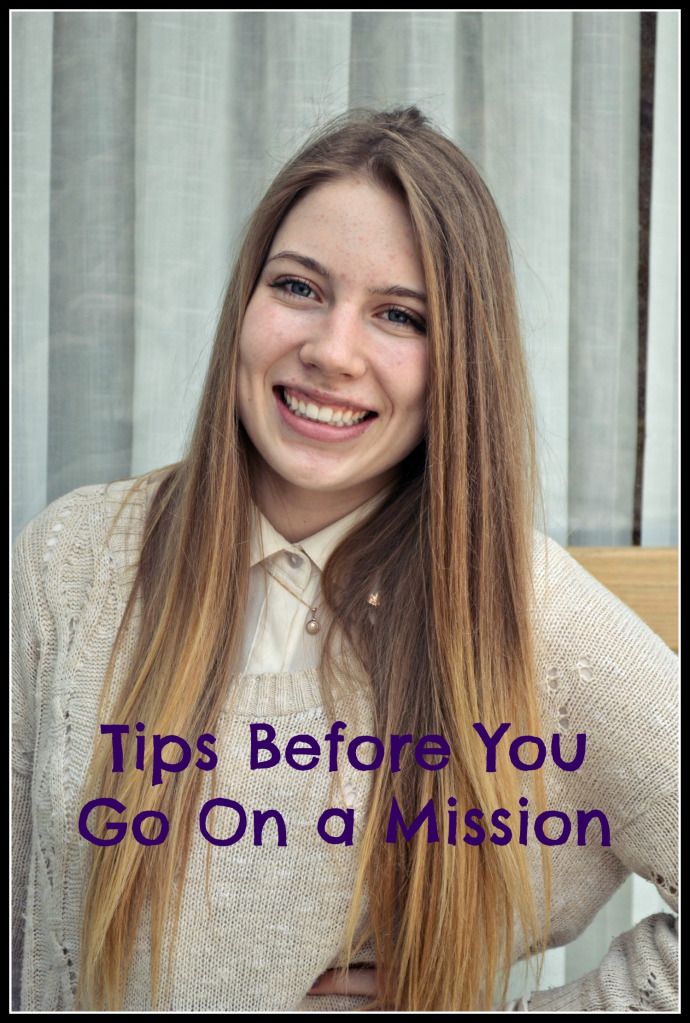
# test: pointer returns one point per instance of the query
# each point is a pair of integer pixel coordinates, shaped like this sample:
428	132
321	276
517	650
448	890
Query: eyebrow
312	264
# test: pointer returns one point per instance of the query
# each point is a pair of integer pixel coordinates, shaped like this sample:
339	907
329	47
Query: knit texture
274	919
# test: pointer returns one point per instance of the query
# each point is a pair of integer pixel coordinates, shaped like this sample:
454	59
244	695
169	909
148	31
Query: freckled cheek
265	339
407	383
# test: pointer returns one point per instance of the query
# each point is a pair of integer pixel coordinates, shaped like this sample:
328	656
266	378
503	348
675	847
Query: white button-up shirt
275	637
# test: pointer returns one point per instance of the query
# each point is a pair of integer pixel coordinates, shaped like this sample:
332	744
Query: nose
337	344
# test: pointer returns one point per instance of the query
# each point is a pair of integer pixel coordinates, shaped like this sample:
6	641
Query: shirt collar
267	541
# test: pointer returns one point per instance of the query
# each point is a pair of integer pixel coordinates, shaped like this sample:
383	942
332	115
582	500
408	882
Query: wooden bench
644	578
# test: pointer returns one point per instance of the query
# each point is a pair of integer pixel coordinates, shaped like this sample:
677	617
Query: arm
26	653
620	684
34	651
639	973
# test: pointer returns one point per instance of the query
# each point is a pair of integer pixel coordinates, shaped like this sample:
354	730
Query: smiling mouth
326	414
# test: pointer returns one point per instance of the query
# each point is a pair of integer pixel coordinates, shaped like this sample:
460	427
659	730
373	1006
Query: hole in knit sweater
71	627
586	674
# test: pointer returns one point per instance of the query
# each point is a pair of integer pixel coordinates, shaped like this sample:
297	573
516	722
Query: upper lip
323	398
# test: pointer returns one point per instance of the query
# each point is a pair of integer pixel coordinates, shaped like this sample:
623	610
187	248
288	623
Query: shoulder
95	526
574	611
601	670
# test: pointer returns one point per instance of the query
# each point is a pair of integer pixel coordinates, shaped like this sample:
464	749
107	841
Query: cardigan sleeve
37	637
639	973
30	642
69	577
624	690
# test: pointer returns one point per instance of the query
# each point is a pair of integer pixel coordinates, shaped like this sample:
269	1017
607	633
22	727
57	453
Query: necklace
312	625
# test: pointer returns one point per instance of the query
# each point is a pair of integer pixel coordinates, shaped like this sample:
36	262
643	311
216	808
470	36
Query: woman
349	539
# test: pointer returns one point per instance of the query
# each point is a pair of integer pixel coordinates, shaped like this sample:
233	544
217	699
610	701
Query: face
333	355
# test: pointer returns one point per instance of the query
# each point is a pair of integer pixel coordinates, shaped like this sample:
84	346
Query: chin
317	482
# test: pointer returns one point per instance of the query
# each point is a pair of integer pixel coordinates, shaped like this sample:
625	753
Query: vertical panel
469	130
32	68
246	128
405	57
527	96
91	250
306	77
603	336
290	73
184	199
660	482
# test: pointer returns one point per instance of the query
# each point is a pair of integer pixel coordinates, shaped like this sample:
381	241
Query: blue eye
412	320
283	284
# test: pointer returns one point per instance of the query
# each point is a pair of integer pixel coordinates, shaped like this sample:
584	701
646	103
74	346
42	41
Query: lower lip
319	431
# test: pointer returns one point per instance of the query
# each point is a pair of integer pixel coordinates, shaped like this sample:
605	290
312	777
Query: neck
297	513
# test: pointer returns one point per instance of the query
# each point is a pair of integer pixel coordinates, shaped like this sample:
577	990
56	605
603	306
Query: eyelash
416	323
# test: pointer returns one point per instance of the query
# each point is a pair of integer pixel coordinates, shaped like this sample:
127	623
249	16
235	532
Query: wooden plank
644	578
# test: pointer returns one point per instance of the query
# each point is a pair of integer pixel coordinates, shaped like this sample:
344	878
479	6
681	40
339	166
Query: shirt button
294	560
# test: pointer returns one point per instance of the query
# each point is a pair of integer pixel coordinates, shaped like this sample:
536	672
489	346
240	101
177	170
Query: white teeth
322	414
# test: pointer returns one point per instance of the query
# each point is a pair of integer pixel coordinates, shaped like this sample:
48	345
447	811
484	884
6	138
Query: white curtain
142	140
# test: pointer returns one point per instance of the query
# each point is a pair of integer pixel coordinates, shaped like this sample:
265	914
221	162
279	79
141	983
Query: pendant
312	625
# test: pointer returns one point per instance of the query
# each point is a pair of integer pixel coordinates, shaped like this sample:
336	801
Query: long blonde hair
451	548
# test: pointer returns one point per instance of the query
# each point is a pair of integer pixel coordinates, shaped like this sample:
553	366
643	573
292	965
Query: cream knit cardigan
275	917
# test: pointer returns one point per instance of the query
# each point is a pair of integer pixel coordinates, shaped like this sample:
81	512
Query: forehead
352	223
